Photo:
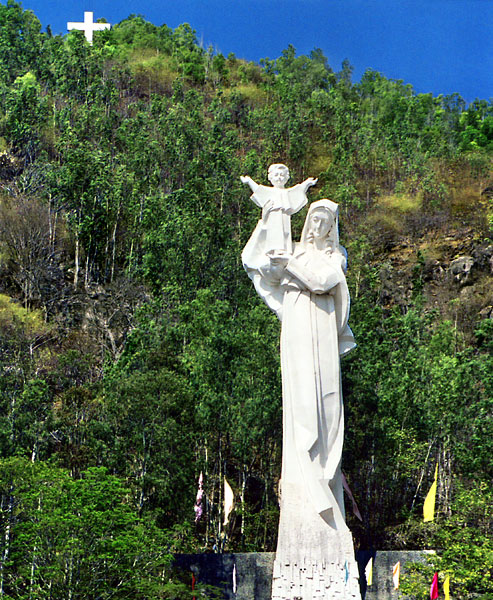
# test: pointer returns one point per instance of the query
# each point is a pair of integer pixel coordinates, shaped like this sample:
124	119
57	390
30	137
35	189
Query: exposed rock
433	271
248	576
486	313
483	256
460	269
395	286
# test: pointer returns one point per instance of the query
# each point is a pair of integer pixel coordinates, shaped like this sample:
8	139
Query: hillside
134	353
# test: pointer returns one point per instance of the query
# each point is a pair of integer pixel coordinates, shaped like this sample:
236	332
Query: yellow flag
446	587
228	501
369	572
429	505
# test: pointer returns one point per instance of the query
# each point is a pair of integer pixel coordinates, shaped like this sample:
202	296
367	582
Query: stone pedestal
254	573
315	555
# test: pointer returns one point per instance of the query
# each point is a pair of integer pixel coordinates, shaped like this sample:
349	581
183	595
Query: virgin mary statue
307	290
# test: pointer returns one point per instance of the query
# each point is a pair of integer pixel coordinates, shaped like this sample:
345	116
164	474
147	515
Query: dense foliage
134	353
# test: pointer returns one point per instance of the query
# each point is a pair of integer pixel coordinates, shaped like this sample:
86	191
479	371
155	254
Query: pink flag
200	491
198	500
345	485
434	587
198	512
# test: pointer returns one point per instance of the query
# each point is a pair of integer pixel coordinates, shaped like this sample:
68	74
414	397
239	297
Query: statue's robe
286	202
311	298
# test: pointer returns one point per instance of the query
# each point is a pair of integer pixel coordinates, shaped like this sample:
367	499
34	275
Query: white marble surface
278	204
307	289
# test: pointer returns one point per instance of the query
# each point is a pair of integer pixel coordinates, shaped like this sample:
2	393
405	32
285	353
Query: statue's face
321	222
278	175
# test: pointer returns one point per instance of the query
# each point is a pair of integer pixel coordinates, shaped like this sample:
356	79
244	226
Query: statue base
315	580
315	555
254	573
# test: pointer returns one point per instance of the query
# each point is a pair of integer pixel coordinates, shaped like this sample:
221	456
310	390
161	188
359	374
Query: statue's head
322	224
278	175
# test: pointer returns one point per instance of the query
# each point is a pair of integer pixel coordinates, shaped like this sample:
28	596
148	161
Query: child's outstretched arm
308	183
251	183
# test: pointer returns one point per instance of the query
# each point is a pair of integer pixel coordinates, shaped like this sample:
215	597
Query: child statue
282	203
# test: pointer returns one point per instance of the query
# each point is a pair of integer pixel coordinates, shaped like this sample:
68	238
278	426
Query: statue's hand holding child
278	261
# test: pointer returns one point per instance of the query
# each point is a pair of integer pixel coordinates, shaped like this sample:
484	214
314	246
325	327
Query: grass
250	92
401	203
320	159
15	315
152	69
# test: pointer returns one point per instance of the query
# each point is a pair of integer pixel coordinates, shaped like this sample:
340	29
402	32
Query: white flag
369	572
396	574
228	501
198	508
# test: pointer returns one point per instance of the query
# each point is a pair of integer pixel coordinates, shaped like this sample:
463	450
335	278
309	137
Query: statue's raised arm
247	179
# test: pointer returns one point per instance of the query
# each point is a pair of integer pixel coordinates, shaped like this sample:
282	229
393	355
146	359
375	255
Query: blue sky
438	46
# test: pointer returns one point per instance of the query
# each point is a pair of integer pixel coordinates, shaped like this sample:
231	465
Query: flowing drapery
310	296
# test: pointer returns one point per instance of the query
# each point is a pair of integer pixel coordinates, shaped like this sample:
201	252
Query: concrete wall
254	573
382	587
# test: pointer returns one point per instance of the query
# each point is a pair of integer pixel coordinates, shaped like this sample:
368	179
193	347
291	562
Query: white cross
88	26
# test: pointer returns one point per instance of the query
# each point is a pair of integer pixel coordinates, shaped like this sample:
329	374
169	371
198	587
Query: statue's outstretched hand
309	182
247	179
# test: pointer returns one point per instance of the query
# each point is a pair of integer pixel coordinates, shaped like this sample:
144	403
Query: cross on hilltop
88	26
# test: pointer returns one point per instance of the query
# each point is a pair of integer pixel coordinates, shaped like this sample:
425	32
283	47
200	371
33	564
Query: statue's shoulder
264	193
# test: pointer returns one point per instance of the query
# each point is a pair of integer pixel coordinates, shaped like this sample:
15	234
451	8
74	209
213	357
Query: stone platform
254	573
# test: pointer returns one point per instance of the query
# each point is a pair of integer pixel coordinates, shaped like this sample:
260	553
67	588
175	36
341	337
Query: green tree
20	41
465	549
77	538
26	112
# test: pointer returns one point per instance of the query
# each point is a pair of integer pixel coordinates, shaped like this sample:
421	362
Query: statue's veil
333	235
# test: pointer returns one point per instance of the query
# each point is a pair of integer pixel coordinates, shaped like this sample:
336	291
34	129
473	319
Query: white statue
307	289
285	202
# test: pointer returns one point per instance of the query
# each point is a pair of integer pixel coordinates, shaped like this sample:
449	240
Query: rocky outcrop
460	269
483	257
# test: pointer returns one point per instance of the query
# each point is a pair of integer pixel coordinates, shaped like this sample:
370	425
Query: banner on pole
429	505
396	574
228	501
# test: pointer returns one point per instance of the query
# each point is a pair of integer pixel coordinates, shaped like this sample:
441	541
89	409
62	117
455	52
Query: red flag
434	587
193	583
